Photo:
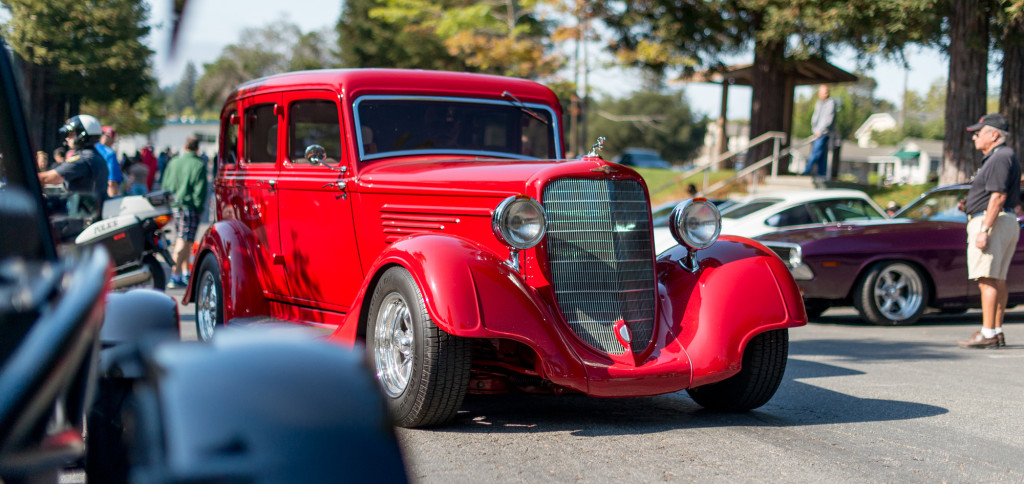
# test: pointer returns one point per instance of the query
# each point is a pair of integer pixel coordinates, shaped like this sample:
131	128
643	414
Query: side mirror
316	154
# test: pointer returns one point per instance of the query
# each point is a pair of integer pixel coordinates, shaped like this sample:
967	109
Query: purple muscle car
891	270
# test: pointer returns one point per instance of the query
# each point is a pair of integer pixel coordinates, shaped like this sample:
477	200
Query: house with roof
875	122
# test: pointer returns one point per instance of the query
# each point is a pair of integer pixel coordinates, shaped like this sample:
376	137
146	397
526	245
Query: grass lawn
666	186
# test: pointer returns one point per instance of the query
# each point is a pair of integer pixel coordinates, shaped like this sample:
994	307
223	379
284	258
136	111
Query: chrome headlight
696	223
519	221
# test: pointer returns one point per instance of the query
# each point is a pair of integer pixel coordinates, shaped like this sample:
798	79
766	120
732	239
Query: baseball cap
109	131
994	120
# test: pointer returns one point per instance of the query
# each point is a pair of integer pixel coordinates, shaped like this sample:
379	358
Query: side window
792	216
261	134
313	122
229	137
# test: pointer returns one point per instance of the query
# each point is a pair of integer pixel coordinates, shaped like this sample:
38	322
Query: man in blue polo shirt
992	227
106	150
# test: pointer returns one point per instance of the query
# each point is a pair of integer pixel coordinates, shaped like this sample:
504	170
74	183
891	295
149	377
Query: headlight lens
519	221
696	223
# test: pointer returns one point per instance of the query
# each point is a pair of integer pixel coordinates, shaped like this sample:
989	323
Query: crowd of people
135	174
87	162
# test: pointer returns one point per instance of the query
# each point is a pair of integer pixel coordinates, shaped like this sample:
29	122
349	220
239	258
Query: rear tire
209	299
422	370
764	363
892	293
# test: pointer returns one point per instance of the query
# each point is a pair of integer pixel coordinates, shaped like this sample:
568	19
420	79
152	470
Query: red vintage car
431	216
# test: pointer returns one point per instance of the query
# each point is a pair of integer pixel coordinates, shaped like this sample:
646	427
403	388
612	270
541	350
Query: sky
210	25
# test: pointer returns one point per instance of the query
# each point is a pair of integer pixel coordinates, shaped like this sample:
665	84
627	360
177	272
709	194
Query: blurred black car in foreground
891	270
250	407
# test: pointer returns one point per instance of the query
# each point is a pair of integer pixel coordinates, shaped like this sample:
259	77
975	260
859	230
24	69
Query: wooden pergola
798	73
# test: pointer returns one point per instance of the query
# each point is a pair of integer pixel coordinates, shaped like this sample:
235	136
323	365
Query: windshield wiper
522	107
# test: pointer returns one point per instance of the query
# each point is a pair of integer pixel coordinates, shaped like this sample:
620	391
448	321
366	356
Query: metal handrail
776	136
773	159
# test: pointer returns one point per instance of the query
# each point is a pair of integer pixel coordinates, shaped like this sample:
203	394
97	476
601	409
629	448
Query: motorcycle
132	230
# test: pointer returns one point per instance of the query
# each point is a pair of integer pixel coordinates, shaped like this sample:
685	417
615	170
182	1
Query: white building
875	122
172	135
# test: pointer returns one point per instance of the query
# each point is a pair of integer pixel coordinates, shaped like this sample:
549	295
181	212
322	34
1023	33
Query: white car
771	212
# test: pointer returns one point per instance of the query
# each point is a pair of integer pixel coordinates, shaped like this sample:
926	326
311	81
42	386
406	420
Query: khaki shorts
993	262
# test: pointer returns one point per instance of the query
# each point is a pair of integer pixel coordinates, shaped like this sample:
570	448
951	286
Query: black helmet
86	129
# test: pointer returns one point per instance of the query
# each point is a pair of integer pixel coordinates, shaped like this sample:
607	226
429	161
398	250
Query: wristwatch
985	229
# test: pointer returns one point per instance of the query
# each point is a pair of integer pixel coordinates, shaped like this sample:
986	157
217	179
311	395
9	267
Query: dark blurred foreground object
252	407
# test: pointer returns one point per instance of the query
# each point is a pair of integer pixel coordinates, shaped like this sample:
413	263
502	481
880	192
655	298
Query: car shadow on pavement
872	349
797	403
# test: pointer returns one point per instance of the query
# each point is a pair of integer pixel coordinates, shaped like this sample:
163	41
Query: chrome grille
602	259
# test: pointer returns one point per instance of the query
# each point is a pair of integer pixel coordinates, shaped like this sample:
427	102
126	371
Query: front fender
470	292
741	289
231	243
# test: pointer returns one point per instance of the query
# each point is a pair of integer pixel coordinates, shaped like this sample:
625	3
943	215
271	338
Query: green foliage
273	49
648	119
888	137
856	102
183	94
382	41
141	117
96	47
505	38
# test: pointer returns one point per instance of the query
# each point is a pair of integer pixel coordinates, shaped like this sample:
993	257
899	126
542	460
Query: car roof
401	81
808	195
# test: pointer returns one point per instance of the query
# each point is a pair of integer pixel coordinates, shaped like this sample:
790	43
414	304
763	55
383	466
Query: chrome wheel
898	292
207	301
393	353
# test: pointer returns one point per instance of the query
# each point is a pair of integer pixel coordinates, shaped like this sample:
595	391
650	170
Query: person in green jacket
185	176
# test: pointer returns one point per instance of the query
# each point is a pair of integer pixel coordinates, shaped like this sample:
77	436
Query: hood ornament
599	146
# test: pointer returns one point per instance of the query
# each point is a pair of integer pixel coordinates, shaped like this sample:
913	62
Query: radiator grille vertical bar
601	256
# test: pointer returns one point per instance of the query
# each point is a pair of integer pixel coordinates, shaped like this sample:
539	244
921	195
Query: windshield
939	205
744	209
398	125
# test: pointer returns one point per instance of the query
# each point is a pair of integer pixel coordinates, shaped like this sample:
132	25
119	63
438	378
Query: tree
1011	98
503	37
72	51
183	95
649	119
141	117
375	41
273	49
666	35
966	87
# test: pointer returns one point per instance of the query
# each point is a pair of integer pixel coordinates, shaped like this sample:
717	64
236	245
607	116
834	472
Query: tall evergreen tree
72	51
183	95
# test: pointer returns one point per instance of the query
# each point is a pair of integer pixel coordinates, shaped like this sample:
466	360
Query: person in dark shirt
992	227
85	170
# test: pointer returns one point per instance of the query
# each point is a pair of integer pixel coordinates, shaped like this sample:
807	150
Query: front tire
209	299
764	363
892	294
422	370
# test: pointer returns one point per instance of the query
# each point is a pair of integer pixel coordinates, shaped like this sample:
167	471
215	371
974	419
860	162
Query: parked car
891	270
761	214
75	356
431	217
641	157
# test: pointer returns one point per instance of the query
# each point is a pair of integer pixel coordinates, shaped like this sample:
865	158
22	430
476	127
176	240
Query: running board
268	322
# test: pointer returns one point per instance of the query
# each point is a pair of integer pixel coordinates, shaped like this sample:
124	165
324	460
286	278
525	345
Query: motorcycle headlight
696	223
519	221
